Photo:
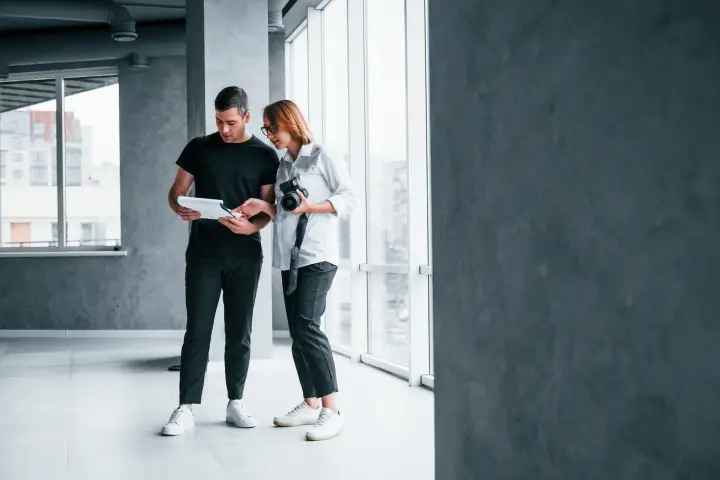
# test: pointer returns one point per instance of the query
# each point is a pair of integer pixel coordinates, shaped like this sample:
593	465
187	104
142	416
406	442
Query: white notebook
209	208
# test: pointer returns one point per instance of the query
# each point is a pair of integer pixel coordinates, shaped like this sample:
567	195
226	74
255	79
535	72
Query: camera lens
290	201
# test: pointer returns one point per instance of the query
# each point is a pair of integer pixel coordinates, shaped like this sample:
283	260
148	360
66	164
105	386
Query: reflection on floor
91	409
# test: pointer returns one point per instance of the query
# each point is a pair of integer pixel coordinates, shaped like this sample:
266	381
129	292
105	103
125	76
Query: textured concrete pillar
227	44
277	92
576	238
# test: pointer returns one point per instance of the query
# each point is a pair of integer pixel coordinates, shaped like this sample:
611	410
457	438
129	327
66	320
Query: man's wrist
255	226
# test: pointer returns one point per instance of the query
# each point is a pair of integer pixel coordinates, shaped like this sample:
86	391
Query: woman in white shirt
312	190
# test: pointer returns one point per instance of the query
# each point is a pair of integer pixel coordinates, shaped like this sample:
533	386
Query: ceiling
143	11
15	95
19	94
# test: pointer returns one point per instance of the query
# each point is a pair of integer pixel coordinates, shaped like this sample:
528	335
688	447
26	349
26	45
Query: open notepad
209	208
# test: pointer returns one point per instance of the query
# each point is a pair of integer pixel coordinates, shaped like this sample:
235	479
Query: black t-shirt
233	173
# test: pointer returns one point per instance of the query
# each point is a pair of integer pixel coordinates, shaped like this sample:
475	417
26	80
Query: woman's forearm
322	207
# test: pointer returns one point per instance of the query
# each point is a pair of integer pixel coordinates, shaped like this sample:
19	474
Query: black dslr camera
290	199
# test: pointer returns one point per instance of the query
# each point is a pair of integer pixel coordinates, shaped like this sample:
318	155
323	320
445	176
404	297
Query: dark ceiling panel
15	95
142	11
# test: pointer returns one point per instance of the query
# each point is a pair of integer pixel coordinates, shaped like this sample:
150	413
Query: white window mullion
417	148
60	153
315	70
289	84
358	173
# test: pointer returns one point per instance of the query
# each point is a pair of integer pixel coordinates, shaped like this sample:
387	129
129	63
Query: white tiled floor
91	409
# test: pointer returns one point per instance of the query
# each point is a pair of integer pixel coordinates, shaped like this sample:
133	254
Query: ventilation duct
138	62
97	11
275	18
89	45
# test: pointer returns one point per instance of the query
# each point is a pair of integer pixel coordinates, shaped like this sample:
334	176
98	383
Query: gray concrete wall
277	92
145	289
576	238
276	42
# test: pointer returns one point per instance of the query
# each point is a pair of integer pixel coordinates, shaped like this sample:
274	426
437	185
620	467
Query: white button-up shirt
324	178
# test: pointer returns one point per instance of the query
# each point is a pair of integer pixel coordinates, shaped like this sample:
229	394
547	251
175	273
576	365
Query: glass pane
92	161
299	64
28	197
387	193
336	141
431	336
389	312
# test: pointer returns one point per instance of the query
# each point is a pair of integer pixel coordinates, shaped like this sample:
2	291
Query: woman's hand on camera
252	207
304	207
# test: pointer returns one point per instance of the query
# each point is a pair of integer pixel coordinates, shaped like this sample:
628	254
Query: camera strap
295	254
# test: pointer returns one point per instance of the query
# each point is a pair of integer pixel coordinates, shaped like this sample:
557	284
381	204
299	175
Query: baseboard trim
92	333
281	333
278	334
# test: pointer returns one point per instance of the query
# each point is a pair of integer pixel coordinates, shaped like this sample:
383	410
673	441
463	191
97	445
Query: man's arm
245	226
267	194
180	187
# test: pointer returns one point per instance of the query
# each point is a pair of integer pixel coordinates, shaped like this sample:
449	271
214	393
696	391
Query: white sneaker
303	414
239	416
181	420
328	425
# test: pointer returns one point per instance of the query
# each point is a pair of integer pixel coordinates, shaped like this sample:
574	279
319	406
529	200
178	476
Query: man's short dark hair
230	97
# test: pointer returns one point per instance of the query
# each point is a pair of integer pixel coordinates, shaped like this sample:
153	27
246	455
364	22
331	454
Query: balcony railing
107	242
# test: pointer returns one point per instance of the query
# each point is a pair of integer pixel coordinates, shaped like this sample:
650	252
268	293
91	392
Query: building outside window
39	168
29	195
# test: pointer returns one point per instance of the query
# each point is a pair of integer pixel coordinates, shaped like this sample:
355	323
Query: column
575	203
277	92
227	44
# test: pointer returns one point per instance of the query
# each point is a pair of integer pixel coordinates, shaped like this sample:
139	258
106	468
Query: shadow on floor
141	365
153	364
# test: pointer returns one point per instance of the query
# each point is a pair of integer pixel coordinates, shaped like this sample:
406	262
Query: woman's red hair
286	115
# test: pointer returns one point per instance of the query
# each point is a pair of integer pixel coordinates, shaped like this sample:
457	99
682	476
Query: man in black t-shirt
231	165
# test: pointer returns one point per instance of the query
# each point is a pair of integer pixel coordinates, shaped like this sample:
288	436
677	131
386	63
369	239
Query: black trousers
205	278
310	347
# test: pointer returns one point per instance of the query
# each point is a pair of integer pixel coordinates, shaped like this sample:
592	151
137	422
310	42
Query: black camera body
290	199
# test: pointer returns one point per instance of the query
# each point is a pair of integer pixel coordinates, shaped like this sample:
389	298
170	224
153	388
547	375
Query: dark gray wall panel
576	238
145	289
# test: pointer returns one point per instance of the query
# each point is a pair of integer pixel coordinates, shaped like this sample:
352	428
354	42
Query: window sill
400	371
428	381
57	253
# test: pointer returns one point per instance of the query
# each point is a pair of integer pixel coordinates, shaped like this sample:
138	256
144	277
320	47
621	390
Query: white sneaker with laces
239	416
329	424
302	414
181	420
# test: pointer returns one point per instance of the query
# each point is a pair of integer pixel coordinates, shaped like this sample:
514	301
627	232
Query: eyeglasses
269	129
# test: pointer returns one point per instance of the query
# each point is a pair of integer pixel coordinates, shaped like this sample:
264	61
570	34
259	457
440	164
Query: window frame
317	18
419	267
290	59
61	250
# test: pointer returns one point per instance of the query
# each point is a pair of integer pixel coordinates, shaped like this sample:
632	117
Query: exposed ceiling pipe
121	22
275	19
88	45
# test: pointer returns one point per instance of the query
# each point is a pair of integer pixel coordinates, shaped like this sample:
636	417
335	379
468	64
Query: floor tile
77	408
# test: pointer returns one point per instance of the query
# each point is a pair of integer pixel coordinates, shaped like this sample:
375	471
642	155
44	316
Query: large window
40	189
92	160
387	175
28	200
372	113
298	69
338	316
